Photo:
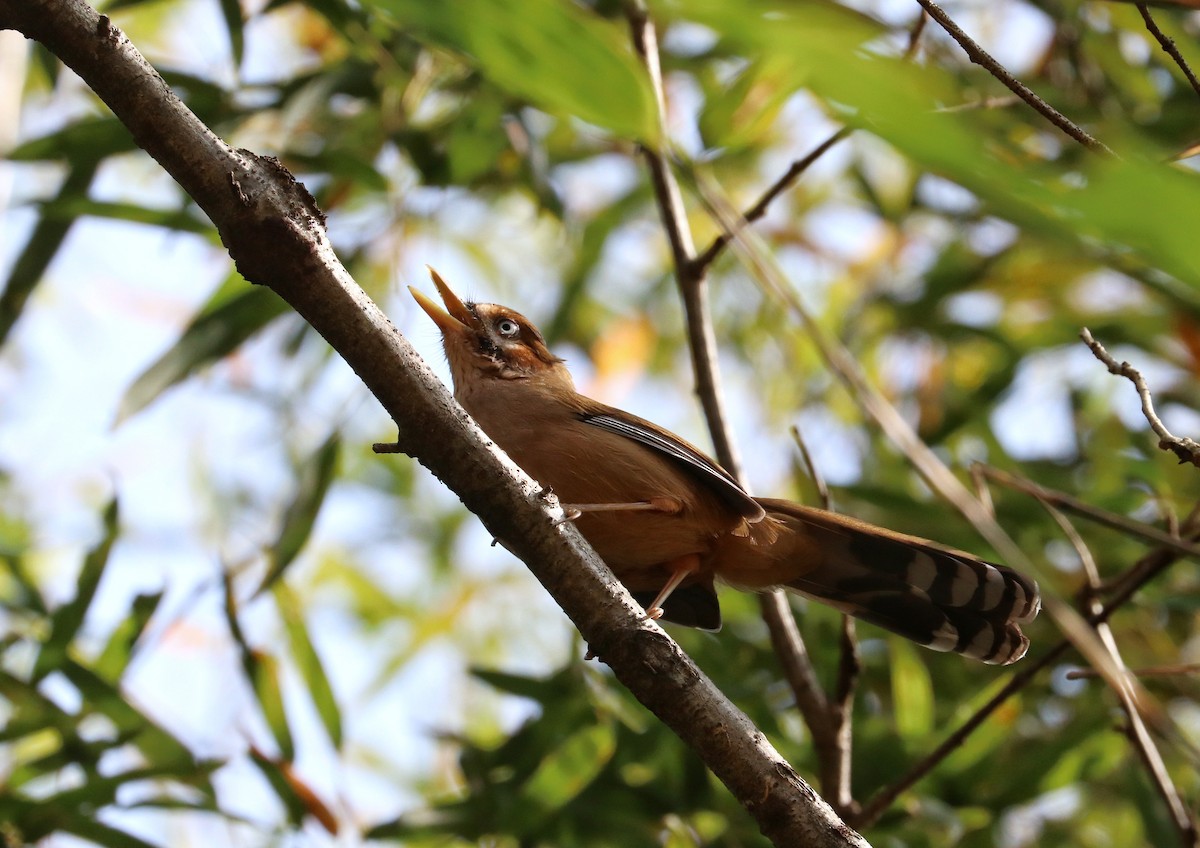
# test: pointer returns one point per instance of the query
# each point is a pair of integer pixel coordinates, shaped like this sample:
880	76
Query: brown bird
669	521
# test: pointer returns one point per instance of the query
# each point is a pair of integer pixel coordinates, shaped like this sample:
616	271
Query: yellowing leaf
624	348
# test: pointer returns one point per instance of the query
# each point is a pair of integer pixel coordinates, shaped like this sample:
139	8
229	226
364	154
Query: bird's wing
716	478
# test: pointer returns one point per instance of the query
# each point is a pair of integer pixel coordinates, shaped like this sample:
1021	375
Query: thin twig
1187	450
835	760
692	280
984	59
1136	730
814	473
705	259
691	277
1117	584
1149	671
982	493
983	103
1092	513
914	35
841	709
1168	45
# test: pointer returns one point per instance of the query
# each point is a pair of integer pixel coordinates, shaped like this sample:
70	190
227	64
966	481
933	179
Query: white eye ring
507	328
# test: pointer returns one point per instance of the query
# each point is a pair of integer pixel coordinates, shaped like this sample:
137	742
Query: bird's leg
667	505
681	568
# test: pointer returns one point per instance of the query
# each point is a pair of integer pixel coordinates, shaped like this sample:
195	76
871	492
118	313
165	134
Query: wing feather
718	480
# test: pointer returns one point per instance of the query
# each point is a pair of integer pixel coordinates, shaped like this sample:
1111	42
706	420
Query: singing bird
669	521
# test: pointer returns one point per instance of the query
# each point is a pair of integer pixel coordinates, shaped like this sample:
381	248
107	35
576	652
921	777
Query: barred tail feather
944	599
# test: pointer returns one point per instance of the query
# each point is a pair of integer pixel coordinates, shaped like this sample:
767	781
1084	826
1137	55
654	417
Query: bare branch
835	759
1187	450
700	263
1137	732
692	281
984	59
1092	513
1168	45
914	35
1178	670
276	235
691	277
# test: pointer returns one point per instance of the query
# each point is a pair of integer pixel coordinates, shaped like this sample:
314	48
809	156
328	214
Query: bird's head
486	340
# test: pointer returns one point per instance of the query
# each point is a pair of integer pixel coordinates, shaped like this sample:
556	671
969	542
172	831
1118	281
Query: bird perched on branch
669	521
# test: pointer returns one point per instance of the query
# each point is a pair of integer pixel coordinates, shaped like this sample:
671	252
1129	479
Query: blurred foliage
956	242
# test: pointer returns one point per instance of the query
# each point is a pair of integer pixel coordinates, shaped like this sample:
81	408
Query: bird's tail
944	599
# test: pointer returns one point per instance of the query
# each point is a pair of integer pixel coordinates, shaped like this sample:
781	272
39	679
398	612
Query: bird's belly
631	541
611	470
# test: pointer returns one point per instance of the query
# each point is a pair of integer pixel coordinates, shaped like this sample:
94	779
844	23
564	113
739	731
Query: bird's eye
507	328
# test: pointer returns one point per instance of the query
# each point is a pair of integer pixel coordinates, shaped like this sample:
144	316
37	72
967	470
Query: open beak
458	320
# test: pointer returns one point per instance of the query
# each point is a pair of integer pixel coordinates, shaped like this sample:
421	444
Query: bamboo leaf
912	691
43	244
301	513
114	659
231	11
309	664
570	767
215	333
67	619
262	670
556	55
297	796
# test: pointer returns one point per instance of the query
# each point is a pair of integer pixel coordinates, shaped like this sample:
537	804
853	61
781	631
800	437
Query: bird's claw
569	515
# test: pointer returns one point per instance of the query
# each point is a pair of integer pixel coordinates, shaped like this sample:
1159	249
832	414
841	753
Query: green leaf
160	749
570	767
540	689
182	220
309	664
32	712
301	514
912	691
217	331
67	619
558	56
299	799
231	11
745	112
86	140
1130	204
114	659
262	670
98	833
43	244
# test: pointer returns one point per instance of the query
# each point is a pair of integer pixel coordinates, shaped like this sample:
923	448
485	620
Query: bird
670	522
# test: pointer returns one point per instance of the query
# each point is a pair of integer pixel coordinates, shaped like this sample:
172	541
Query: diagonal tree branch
1168	45
699	264
985	60
276	236
1066	502
1136	731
